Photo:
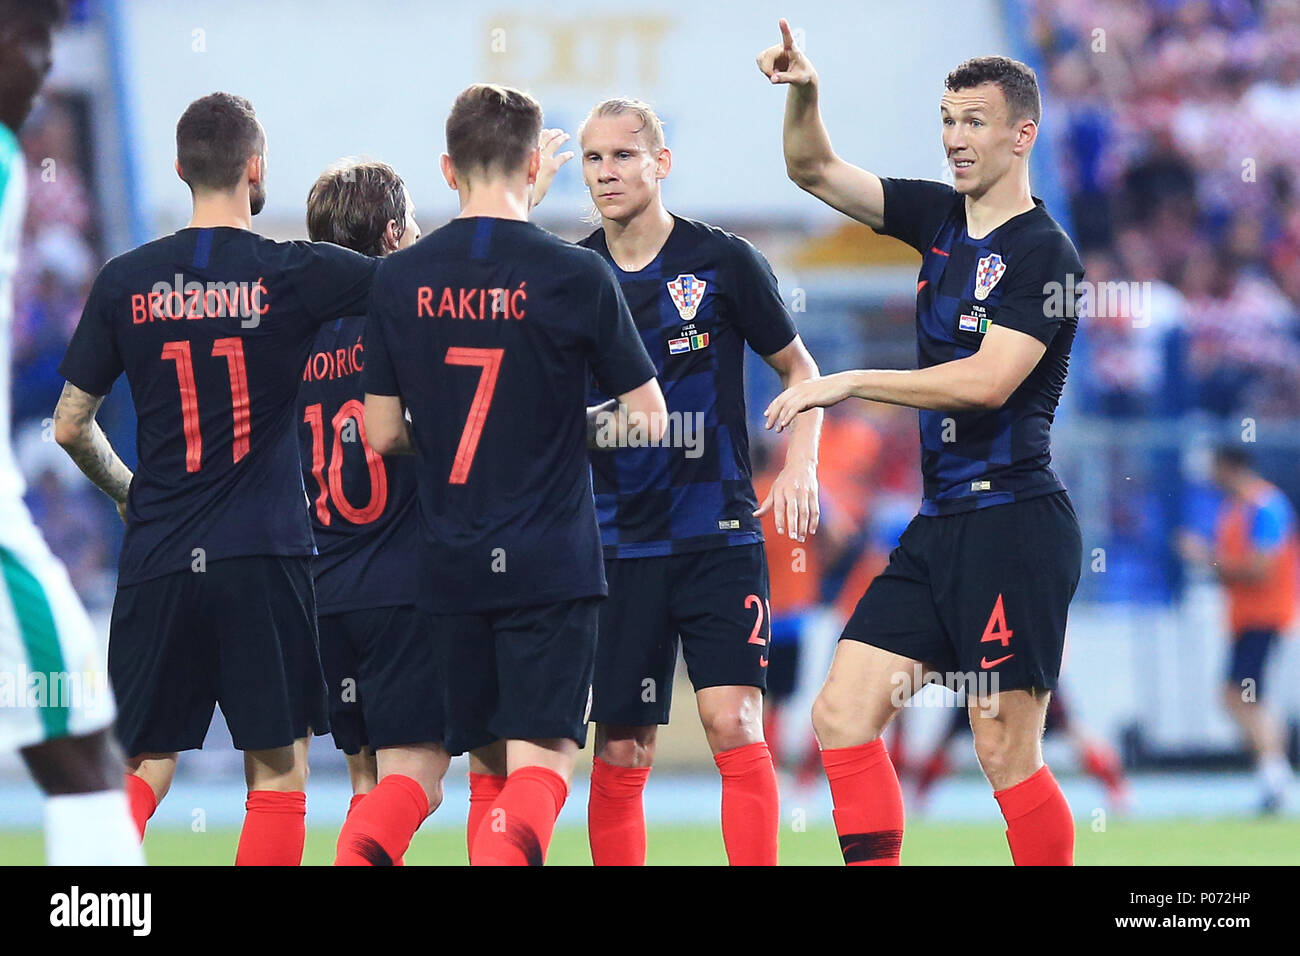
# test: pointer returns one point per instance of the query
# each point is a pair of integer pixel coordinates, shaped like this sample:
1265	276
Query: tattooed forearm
79	434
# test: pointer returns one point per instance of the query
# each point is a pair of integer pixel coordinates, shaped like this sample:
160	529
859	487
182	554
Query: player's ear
534	166
448	171
178	170
391	238
1026	136
663	163
255	168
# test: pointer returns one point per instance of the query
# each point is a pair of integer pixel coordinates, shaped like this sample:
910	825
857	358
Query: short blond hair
623	105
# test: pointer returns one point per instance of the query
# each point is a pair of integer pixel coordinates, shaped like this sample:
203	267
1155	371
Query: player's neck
1005	199
495	201
222	209
635	243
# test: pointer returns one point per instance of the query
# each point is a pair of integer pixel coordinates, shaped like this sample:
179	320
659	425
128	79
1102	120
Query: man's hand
785	62
121	511
793	501
814	393
549	141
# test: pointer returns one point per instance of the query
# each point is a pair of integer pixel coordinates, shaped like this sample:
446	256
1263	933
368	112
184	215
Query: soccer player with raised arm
376	646
212	326
981	580
681	526
46	638
487	332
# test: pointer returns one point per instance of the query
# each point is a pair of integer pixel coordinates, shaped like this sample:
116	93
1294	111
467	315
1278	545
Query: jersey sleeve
332	281
1033	302
618	357
761	315
378	377
92	362
1271	525
915	209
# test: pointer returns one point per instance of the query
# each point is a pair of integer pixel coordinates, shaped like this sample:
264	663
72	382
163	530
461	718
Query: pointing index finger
786	39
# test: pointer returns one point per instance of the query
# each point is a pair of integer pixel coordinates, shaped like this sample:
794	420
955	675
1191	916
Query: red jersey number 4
996	630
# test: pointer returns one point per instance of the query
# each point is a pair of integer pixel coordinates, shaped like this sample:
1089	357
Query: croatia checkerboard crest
687	292
987	273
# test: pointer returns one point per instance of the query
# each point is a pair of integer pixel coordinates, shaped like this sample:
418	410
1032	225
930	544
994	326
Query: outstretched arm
810	161
77	433
984	380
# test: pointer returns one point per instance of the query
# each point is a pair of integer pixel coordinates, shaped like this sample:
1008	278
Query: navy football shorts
715	600
1250	650
382	670
979	597
241	633
518	673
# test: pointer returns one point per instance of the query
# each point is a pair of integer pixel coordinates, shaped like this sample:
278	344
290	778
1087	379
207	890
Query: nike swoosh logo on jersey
985	663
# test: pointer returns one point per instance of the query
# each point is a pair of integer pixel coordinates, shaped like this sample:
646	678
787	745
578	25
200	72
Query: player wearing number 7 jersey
487	330
212	326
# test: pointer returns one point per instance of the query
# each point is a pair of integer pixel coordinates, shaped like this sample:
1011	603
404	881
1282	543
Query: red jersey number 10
232	350
333	487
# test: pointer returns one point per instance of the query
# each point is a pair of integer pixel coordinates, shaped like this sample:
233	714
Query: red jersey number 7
489	360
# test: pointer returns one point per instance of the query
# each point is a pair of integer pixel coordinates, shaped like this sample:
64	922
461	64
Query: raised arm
810	161
77	433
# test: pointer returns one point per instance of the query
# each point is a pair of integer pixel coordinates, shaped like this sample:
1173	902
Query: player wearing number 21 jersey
487	331
212	327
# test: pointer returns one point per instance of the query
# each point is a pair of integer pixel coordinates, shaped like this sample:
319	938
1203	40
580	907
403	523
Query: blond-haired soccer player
680	522
982	578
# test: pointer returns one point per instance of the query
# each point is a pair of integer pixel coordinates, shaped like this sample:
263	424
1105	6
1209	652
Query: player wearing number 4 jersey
376	646
487	331
681	526
212	326
981	580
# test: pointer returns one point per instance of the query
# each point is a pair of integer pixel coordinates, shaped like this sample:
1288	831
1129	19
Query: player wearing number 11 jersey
487	330
212	326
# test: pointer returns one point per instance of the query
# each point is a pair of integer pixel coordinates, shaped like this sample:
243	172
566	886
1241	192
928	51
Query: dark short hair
214	138
48	13
1232	455
351	203
492	129
1016	80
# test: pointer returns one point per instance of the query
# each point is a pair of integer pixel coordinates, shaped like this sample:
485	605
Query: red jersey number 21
489	360
232	350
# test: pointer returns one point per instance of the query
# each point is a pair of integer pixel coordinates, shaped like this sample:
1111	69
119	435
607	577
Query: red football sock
868	803
275	826
1040	829
352	804
615	815
751	806
1103	763
141	798
484	788
529	803
380	830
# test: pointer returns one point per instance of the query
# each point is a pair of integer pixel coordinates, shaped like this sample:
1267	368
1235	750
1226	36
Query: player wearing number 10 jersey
212	326
376	646
487	331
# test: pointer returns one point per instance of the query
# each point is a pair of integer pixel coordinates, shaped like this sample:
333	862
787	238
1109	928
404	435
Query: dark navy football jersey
706	294
212	327
363	504
1016	277
489	330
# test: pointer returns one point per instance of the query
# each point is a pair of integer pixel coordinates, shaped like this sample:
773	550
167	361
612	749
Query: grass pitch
1164	843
